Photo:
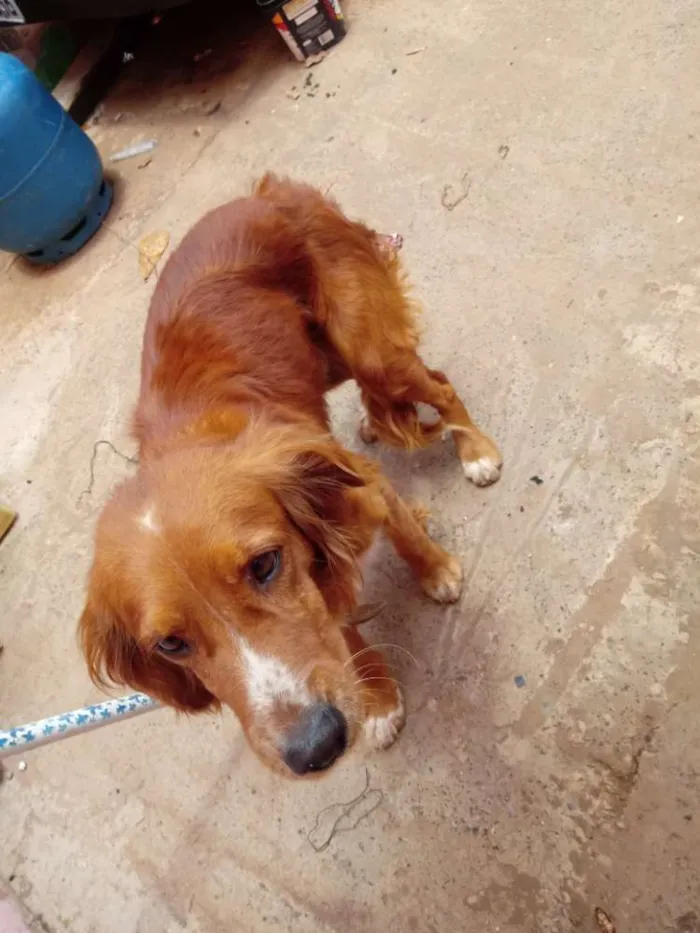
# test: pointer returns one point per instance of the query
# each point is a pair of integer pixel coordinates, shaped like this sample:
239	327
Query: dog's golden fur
268	302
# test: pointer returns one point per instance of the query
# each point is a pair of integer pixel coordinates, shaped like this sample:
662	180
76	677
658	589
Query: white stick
55	728
148	145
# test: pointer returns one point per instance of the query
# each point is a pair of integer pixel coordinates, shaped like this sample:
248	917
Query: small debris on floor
605	924
148	145
96	115
416	51
389	245
394	70
144	164
315	59
22	766
212	108
151	248
7	520
311	85
450	198
519	680
348	815
503	151
293	94
537	480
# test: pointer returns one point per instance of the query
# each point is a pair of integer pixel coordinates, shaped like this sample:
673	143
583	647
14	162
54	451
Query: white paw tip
482	472
444	585
382	731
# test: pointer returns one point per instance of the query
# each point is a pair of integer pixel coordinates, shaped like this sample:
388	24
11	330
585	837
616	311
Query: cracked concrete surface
562	295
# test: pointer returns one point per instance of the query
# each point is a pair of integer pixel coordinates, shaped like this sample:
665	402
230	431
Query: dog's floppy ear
313	491
114	656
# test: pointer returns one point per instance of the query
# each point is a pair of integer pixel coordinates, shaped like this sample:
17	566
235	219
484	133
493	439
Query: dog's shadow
413	632
410	630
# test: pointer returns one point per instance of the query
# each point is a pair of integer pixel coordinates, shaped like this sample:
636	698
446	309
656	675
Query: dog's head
224	572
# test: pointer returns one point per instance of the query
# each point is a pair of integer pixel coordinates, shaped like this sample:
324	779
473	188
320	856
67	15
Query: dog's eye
173	647
265	567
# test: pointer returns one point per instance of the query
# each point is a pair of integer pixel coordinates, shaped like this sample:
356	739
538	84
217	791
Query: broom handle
55	728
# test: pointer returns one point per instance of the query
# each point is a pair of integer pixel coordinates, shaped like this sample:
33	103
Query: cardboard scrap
151	248
7	520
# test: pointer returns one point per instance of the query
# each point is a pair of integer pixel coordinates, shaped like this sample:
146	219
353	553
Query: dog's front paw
481	459
483	471
444	582
382	729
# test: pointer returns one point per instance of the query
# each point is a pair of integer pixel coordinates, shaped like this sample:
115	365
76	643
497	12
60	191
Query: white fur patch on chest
269	680
148	520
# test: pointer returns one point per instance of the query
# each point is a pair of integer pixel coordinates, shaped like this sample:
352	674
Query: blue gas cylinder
53	194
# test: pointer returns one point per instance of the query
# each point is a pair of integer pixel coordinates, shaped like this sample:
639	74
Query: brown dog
226	570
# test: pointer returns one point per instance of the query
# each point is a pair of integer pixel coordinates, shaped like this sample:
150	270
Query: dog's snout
317	740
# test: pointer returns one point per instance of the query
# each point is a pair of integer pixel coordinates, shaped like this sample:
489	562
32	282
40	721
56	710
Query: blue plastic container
53	195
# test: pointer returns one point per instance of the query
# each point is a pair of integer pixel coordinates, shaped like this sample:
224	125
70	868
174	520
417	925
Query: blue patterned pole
55	728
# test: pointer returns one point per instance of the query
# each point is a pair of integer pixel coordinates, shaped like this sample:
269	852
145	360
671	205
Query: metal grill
10	12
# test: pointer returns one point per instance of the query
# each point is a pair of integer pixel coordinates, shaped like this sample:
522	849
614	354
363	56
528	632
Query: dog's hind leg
480	457
365	311
393	416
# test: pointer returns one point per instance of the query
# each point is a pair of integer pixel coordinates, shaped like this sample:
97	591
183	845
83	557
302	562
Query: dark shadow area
196	48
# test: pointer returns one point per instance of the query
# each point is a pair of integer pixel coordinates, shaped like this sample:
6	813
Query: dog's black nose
318	738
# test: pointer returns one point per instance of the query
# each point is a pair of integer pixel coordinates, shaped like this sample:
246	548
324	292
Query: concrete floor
562	295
